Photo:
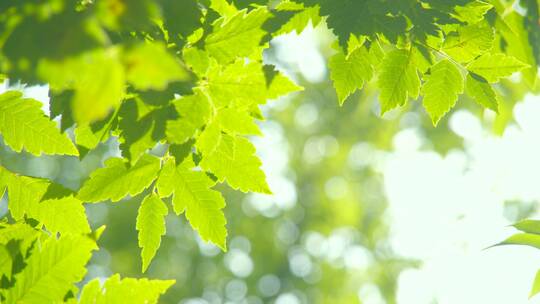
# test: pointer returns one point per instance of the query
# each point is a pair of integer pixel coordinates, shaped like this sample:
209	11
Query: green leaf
224	8
90	136
196	59
235	121
90	293
97	78
23	125
529	226
4	179
469	41
51	270
527	239
536	285
493	67
350	72
141	127
23	237
481	91
151	226
17	231
300	20
150	66
64	215
6	263
362	18
473	11
243	84
129	17
232	159
127	290
194	111
115	181
181	18
277	84
238	36
398	80
192	192
517	44
441	89
238	83
24	194
36	198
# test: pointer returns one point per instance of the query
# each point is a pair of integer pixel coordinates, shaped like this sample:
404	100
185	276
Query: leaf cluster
179	86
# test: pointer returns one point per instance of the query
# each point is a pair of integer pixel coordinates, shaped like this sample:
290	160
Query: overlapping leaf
97	78
232	159
192	193
398	80
481	91
349	72
116	181
51	270
441	89
127	290
23	125
468	42
238	36
150	66
493	67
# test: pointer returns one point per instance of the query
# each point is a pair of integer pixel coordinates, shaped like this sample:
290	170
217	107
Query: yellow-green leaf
441	89
115	181
24	125
349	72
237	36
192	192
51	270
398	80
127	290
481	91
233	160
493	67
150	66
151	226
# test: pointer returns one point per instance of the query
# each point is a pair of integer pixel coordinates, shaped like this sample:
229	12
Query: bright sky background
445	211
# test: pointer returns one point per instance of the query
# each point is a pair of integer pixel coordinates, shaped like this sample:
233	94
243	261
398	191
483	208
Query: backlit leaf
51	270
151	226
441	89
23	125
398	80
493	67
116	180
192	192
